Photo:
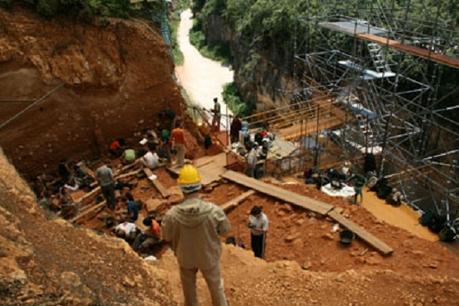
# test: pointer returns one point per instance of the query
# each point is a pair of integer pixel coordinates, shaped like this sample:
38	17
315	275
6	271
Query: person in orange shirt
151	238
178	142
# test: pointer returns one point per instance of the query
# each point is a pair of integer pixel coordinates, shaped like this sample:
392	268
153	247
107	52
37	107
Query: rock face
49	262
114	79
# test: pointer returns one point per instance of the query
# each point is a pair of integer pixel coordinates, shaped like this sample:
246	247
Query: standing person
258	224
252	159
193	229
359	183
217	116
235	127
178	142
104	176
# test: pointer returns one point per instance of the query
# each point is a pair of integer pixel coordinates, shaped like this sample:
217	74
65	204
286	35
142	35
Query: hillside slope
49	262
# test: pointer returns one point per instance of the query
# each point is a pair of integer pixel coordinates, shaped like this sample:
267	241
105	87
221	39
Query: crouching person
193	229
150	240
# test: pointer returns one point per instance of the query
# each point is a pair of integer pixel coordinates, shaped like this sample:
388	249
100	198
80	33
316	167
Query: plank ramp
279	193
234	202
92	211
361	232
158	185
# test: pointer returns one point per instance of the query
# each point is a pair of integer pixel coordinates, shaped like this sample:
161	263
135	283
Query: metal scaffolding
384	64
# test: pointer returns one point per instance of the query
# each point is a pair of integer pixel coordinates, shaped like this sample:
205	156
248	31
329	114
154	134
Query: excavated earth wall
115	77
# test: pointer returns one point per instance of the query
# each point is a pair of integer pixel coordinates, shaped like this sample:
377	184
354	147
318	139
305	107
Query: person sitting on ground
150	159
149	240
104	176
178	142
81	177
395	198
126	230
64	171
116	147
133	206
44	201
129	156
69	209
258	224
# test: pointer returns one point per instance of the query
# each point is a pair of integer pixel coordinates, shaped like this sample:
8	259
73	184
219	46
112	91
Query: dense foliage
85	9
232	98
275	28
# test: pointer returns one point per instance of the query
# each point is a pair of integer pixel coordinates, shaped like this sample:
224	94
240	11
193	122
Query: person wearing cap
193	229
258	224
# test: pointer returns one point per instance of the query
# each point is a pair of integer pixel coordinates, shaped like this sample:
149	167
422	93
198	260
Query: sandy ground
403	216
202	78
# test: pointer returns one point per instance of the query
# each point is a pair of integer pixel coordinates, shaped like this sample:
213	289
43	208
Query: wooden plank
94	209
420	52
97	190
361	232
279	193
87	170
234	202
160	187
93	192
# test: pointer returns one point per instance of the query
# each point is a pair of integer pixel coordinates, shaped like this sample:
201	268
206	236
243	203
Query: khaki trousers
180	154
214	283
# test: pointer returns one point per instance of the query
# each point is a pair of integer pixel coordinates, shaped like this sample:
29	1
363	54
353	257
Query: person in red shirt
178	142
116	147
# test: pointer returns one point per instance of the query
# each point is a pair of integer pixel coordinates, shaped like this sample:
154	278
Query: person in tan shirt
193	229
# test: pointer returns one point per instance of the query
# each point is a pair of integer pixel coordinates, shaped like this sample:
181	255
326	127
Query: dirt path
202	78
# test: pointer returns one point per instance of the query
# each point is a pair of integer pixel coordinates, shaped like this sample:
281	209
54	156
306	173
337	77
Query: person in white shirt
150	159
252	159
258	224
126	230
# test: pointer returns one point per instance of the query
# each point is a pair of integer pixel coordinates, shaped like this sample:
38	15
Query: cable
49	93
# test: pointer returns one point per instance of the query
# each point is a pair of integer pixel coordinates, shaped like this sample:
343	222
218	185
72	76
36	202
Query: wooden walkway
279	193
413	50
306	203
210	168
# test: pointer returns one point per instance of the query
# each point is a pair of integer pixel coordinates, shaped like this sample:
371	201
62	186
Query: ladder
378	57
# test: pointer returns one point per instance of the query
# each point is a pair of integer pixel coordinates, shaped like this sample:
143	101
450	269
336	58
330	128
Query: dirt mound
50	262
115	78
250	281
311	243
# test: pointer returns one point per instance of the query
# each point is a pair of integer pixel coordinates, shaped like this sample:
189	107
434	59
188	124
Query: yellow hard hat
189	179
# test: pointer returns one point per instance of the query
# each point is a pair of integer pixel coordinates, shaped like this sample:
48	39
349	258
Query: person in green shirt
128	156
